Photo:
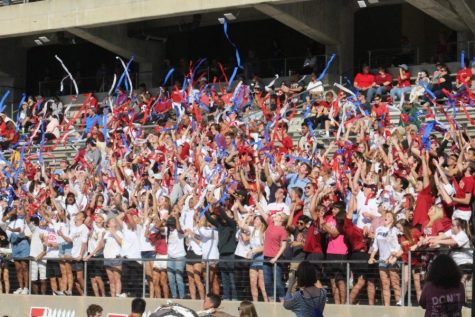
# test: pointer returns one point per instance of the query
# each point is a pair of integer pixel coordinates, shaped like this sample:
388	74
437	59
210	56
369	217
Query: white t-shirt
53	239
461	256
79	235
176	244
145	244
370	207
209	242
274	208
96	236
243	247
36	245
112	248
131	243
386	241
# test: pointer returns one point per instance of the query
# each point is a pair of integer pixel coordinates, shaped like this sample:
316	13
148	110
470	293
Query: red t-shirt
404	82
381	109
466	186
313	241
159	241
287	144
355	236
463	74
424	201
381	79
364	80
273	239
406	245
438	226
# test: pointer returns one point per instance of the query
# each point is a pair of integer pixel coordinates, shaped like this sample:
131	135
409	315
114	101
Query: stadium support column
329	22
12	69
148	54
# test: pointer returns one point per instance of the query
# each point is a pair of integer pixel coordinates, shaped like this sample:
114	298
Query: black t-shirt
3	239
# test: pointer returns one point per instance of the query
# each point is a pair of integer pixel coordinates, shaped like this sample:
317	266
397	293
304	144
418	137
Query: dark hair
406	229
306	274
214	299
93	309
304	218
247	309
444	272
138	306
463	224
404	183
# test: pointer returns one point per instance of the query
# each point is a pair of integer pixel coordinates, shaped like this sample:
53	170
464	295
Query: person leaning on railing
459	239
387	245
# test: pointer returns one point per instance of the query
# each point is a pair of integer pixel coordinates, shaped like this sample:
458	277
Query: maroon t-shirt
442	302
355	236
313	241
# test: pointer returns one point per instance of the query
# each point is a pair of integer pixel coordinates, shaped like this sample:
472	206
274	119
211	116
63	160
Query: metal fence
233	279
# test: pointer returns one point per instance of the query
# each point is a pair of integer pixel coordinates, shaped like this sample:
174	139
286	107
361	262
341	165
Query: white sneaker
18	291
58	293
123	295
25	291
399	303
68	293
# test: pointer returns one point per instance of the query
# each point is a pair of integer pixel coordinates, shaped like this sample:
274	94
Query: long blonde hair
437	214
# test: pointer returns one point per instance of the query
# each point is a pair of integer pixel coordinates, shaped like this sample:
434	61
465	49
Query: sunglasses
308	187
301	223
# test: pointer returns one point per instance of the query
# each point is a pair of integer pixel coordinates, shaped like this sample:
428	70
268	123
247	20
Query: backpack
315	311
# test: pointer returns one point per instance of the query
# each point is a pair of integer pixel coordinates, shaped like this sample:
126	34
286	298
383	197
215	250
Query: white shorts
160	265
38	267
462	214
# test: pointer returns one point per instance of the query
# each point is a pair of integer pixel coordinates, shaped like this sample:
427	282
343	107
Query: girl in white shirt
95	268
17	232
458	237
194	254
387	244
111	244
206	235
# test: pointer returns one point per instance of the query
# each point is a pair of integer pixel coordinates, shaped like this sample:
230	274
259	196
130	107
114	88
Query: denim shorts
257	261
65	249
148	254
21	249
113	262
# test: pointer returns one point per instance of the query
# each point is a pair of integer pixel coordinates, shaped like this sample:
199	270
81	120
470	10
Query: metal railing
12	2
136	283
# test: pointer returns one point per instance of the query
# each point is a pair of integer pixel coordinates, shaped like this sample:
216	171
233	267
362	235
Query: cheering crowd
204	181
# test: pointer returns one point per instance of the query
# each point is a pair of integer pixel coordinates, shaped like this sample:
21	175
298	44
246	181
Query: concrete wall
19	306
53	15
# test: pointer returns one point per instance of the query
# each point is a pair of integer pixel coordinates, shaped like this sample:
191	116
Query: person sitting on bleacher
364	82
464	78
383	82
443	83
403	83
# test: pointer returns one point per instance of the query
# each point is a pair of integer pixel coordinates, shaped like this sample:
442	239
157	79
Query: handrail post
409	285
347	283
85	279
275	283
207	276
143	279
29	276
403	284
